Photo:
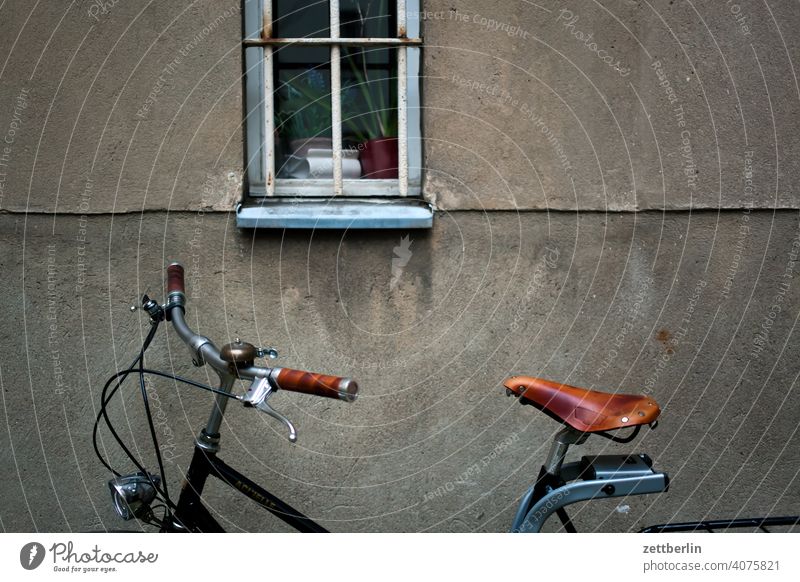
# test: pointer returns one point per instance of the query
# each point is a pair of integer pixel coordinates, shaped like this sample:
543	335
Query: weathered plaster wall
125	136
652	303
142	104
140	107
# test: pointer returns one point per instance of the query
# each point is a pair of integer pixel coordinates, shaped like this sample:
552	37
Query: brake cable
105	400
104	403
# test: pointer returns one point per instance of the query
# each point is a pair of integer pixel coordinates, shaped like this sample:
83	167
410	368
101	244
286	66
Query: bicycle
584	413
134	495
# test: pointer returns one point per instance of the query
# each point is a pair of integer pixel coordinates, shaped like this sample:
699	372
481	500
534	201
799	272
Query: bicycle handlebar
317	384
284	378
175	280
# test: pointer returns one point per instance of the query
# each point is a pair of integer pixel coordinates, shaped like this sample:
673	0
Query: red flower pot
378	158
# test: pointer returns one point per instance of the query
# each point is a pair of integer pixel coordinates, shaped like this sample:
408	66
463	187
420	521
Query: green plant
303	106
380	119
368	109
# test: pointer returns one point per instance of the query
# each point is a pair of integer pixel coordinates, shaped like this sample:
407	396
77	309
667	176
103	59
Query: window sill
343	213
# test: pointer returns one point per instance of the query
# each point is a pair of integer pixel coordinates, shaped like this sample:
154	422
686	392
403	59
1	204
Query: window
333	114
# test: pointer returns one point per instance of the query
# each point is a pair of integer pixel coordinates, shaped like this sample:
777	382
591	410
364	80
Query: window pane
300	18
368	18
369	109
303	145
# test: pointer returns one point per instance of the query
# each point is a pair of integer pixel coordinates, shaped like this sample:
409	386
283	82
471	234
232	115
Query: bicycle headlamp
133	494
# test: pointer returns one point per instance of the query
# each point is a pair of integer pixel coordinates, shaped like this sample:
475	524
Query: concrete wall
143	104
693	300
522	114
483	296
140	106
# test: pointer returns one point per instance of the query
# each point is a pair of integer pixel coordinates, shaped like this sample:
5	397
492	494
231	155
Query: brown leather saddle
584	410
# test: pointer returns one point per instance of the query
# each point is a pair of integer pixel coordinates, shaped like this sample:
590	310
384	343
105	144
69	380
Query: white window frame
259	86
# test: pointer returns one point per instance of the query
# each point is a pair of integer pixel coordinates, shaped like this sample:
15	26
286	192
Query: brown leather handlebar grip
317	384
175	278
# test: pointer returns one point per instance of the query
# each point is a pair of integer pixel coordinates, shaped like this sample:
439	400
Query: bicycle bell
239	354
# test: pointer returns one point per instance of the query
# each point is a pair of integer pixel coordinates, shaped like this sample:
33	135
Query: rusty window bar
389	42
402	104
336	100
269	101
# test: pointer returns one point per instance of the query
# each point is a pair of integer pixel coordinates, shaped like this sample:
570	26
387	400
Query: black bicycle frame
192	516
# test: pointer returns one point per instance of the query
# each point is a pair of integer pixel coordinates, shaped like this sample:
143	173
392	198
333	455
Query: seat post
558	450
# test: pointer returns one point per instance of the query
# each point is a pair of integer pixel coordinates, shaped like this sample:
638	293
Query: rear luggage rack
709	526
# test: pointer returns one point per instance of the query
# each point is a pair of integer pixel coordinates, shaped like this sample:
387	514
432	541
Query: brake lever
264	407
258	393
